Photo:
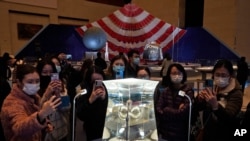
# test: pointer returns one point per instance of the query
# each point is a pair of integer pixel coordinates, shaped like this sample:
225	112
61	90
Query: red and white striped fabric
133	27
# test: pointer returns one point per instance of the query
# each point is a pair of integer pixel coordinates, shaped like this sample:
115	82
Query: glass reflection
130	114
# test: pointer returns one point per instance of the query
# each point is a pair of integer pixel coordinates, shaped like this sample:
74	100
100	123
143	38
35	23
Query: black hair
243	59
99	54
86	64
23	70
144	68
117	57
44	62
54	57
223	63
167	56
90	71
132	51
180	68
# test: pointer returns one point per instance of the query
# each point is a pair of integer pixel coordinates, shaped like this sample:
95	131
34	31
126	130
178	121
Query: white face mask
176	79
31	89
221	81
58	68
145	77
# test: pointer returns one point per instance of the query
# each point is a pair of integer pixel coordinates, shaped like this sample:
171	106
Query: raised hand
98	92
54	86
49	107
209	96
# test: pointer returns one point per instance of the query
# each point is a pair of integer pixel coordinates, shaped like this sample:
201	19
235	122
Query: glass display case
130	114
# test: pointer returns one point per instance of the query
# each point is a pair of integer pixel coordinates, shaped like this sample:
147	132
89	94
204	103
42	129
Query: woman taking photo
91	108
221	104
22	117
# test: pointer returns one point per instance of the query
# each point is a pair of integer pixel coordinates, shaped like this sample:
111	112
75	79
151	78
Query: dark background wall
194	13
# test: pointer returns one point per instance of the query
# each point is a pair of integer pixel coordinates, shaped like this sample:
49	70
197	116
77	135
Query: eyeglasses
221	75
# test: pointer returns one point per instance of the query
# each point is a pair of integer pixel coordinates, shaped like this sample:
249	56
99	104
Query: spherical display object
94	38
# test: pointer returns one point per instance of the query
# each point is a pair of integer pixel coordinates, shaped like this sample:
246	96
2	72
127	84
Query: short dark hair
167	56
132	51
99	54
144	68
23	70
223	63
168	81
243	59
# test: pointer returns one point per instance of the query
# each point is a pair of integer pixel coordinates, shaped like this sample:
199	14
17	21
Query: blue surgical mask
119	71
118	68
136	61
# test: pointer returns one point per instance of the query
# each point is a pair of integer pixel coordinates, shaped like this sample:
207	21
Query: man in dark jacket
100	62
133	64
242	72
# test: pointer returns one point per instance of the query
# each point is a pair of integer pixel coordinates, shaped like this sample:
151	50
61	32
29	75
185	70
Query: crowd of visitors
37	103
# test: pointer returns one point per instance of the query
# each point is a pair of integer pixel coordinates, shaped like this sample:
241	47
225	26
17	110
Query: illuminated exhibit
130	113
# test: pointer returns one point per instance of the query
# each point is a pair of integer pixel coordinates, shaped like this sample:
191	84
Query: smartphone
65	102
54	76
98	83
68	56
209	83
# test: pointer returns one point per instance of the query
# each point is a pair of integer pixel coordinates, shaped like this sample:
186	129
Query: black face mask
44	81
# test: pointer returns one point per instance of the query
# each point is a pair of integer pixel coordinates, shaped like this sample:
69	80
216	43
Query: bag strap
203	124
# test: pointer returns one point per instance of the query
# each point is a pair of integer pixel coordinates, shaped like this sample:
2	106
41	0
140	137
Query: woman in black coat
91	108
173	109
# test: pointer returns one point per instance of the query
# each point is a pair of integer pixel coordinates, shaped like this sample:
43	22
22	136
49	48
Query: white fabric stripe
160	32
132	20
130	33
171	37
140	44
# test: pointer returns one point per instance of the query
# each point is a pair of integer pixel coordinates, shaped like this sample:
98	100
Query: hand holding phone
98	91
97	84
56	84
54	76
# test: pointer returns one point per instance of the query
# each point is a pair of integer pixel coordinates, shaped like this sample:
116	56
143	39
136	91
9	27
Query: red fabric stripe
130	26
80	31
114	47
166	34
130	39
130	10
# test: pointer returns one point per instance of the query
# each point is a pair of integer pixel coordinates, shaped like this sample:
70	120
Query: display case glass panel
130	113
